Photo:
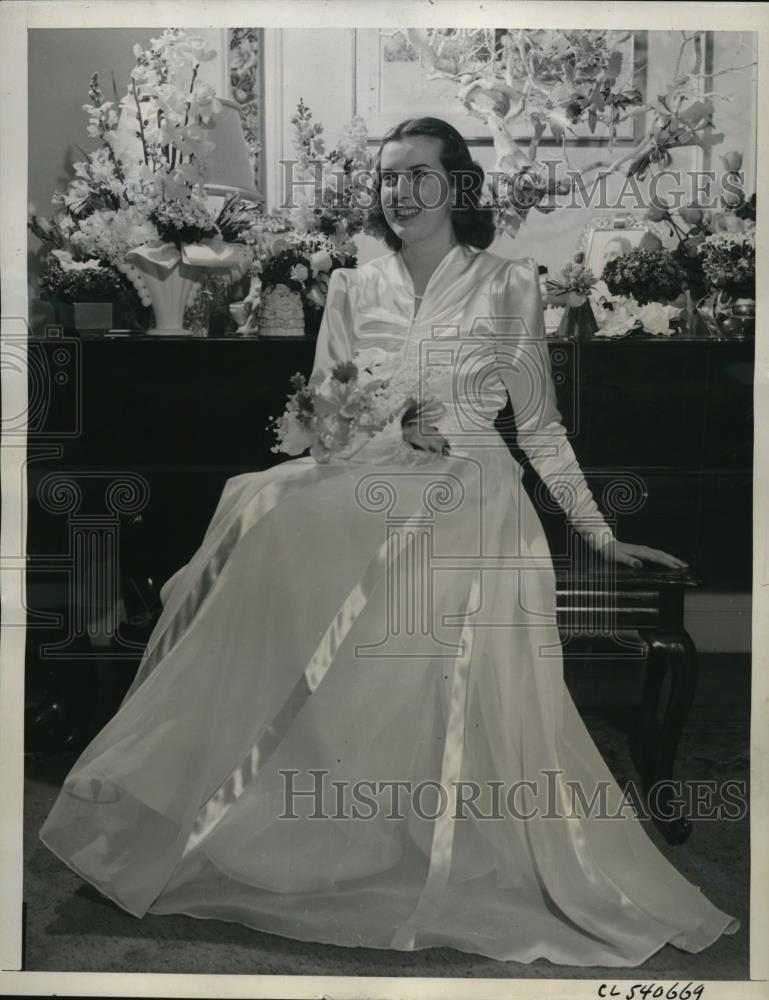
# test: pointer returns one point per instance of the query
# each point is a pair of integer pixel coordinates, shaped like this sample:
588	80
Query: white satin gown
387	617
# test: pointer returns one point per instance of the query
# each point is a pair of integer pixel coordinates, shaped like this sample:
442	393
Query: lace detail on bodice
462	373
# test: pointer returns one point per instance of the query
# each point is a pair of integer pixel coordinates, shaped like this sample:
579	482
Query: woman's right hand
426	438
421	435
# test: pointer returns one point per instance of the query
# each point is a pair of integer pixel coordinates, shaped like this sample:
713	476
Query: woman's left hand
635	555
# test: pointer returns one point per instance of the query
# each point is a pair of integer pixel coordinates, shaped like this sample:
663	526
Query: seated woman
350	724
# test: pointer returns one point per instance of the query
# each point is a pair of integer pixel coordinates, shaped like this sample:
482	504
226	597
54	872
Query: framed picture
610	236
390	83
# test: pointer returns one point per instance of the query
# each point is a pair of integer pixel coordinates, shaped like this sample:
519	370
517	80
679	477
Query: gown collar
458	253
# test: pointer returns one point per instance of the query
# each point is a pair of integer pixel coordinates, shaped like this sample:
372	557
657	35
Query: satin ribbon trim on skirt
218	805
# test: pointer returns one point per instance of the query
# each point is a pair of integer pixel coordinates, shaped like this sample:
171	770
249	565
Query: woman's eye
388	179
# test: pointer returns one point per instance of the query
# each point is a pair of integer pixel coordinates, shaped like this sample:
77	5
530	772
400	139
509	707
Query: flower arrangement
629	317
65	278
574	283
645	275
729	263
555	81
146	178
337	412
286	260
303	263
333	208
141	193
68	280
572	288
692	224
294	249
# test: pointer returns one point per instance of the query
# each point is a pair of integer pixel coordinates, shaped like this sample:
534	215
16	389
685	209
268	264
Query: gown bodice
479	333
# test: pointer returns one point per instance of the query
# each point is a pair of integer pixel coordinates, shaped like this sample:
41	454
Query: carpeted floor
70	927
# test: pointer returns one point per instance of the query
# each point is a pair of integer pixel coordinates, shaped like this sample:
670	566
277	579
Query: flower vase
281	313
84	317
170	291
578	322
743	311
724	317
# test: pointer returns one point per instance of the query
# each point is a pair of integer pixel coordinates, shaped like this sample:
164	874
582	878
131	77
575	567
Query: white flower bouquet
629	317
339	411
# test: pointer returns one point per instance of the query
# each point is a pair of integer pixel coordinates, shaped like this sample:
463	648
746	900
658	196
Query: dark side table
609	598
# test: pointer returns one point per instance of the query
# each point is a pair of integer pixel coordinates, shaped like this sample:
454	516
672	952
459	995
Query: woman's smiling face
416	192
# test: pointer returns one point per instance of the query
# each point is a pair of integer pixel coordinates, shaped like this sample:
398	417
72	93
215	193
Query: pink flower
657	212
732	161
650	241
692	215
732	199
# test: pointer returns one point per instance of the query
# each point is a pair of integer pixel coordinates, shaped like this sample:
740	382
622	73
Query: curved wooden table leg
671	654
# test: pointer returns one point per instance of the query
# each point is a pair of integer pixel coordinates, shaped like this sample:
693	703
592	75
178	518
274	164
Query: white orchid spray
166	109
140	194
556	81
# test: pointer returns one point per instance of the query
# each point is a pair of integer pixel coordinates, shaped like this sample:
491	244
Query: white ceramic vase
170	292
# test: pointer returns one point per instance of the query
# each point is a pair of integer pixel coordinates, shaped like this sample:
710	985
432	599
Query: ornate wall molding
245	87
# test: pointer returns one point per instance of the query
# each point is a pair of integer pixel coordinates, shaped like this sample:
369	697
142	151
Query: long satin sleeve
335	337
524	367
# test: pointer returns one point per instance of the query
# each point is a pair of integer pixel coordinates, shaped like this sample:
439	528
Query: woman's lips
404	214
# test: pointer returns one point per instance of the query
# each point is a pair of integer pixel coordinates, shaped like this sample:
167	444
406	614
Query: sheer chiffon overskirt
579	891
371	620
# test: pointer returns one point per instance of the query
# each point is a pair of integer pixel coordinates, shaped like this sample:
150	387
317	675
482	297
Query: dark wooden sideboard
662	427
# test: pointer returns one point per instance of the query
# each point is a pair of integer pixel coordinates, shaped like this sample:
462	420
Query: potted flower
729	264
83	293
87	292
646	275
294	280
295	249
692	225
649	282
572	289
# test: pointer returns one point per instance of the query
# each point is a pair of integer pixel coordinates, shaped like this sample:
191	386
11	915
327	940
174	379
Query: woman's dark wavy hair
472	223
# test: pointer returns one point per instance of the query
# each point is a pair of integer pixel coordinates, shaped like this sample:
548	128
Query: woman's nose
404	187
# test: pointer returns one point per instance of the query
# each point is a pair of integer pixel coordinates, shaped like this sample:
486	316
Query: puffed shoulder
516	298
342	285
342	276
515	277
520	268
